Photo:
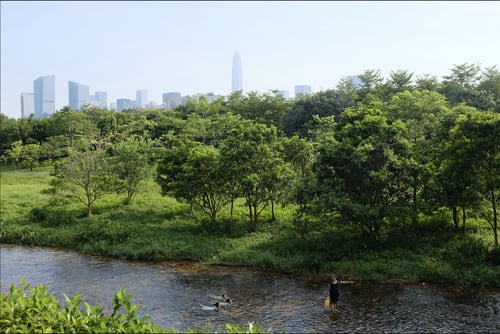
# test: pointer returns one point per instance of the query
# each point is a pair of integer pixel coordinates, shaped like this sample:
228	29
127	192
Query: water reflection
171	294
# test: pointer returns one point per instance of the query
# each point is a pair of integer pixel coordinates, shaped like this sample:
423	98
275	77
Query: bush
94	229
493	256
41	312
51	217
464	252
38	215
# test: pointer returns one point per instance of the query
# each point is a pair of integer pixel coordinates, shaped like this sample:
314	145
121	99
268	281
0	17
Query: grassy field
153	227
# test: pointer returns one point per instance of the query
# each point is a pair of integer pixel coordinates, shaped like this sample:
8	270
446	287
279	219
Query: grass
153	227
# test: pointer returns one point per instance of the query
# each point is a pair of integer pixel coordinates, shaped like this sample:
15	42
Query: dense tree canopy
371	157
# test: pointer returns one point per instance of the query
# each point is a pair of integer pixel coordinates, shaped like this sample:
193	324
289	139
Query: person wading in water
333	293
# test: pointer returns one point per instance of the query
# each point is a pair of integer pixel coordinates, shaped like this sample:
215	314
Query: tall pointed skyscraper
237	76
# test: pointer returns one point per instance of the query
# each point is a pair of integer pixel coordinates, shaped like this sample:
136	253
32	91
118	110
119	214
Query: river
171	294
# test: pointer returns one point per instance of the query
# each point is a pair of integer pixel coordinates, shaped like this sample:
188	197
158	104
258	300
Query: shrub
38	215
464	252
493	256
94	229
41	312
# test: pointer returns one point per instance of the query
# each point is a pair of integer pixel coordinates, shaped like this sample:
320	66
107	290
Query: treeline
375	157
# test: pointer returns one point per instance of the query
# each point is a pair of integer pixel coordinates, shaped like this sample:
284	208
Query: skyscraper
102	97
44	89
78	95
141	98
237	76
27	104
171	100
302	90
124	104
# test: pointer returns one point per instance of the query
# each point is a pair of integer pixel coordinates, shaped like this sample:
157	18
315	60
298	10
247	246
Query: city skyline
188	46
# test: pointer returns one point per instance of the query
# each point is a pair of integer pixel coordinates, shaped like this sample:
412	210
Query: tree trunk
273	217
455	217
463	220
495	218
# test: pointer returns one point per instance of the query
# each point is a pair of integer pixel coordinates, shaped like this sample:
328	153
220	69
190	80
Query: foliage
39	311
132	164
363	170
85	175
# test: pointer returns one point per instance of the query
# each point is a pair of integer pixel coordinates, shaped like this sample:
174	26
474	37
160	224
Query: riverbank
157	228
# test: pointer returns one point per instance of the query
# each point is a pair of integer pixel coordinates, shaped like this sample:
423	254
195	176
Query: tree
26	155
253	166
362	170
267	108
325	103
55	147
427	82
347	93
370	79
475	155
489	83
193	172
84	175
8	133
461	85
76	125
422	112
400	80
131	161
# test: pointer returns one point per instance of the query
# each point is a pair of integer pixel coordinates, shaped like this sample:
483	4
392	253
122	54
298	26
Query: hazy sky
187	47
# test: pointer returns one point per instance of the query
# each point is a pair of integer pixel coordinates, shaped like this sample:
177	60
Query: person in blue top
333	293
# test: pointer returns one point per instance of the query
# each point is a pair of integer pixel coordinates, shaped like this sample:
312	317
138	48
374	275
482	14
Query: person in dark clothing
333	293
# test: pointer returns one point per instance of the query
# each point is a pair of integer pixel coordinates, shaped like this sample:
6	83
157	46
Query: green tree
489	83
85	176
475	154
463	86
76	125
132	164
253	165
8	133
193	172
347	93
300	119
362	170
55	147
25	155
422	112
427	82
400	80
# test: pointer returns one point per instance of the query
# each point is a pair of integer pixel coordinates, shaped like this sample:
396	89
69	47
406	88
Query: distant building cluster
41	102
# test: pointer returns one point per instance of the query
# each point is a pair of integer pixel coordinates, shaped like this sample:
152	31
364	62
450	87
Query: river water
171	294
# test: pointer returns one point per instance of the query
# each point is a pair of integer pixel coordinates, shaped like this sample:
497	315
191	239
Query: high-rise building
44	89
27	104
302	90
78	95
102	97
141	98
283	93
124	104
237	82
171	100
